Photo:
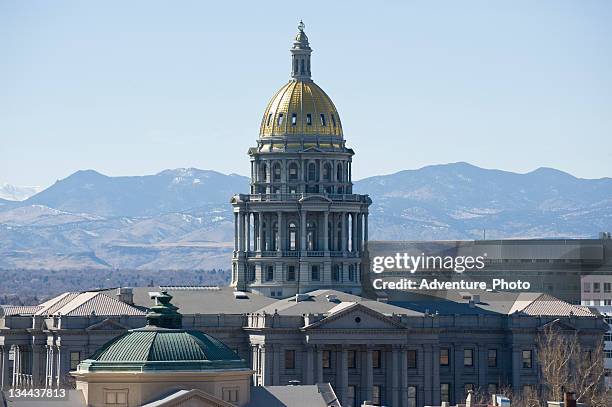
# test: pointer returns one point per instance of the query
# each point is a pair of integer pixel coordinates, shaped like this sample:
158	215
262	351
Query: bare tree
566	365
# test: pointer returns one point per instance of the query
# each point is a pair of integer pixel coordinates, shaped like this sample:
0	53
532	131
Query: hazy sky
131	88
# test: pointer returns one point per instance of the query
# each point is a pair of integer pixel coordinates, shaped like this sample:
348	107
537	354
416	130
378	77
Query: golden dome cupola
300	114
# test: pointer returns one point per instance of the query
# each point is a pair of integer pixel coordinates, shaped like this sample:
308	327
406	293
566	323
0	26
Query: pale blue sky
131	88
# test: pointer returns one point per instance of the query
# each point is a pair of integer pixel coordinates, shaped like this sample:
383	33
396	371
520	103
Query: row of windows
315	273
280	119
468	358
607	287
312	172
596	302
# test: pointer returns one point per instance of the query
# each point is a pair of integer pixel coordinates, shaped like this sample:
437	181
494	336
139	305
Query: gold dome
300	108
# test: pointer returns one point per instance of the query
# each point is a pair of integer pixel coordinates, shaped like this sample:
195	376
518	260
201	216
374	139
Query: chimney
569	399
125	294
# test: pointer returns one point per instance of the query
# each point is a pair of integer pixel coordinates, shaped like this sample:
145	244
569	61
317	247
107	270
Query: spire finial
301	26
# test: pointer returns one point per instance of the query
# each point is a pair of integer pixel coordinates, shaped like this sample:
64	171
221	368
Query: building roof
162	345
202	300
318	395
85	304
328	301
485	302
25	310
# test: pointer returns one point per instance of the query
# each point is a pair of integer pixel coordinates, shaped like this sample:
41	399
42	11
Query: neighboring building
301	227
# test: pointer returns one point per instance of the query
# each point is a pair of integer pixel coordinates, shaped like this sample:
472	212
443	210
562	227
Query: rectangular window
444	356
376	359
608	354
326	359
289	359
269	119
323	119
314	273
290	273
607	287
351	359
586	287
333	120
412	396
293	119
596	287
468	387
527	359
75	359
412	359
230	394
116	398
608	337
492	358
492	389
468	357
270	273
445	392
376	400
280	119
308	119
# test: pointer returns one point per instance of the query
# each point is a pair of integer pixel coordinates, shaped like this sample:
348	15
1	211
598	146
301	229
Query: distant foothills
181	219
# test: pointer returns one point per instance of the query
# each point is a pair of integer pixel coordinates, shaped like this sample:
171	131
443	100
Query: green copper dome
162	345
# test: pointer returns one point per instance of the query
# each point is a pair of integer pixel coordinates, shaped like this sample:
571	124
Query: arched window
274	236
339	237
276	170
327	172
311	236
292	236
339	172
351	275
295	66
330	234
264	240
302	66
312	172
293	172
263	176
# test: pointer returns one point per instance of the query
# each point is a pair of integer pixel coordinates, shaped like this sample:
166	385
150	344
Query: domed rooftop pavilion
147	363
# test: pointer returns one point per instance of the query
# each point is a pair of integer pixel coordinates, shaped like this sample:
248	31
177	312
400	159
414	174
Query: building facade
301	227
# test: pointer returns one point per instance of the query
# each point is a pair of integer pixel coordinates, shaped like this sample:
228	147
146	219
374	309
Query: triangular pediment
107	325
315	198
355	316
190	398
558	325
312	149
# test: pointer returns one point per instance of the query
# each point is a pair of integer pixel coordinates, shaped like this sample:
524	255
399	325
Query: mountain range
181	219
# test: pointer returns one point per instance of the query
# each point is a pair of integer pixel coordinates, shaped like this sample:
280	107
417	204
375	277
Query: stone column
241	231
325	231
436	375
359	232
482	364
319	378
235	231
35	366
260	242
365	228
342	374
395	362
303	230
281	233
4	373
59	367
15	366
404	377
248	232
369	374
277	365
427	373
516	367
354	232
309	372
344	239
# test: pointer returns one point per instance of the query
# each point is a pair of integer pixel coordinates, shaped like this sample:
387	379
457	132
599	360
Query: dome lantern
300	55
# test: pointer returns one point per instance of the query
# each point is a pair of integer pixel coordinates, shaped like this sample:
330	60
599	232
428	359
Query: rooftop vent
240	295
301	297
293	382
331	297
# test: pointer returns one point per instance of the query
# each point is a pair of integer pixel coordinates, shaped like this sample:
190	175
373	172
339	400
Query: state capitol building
294	311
